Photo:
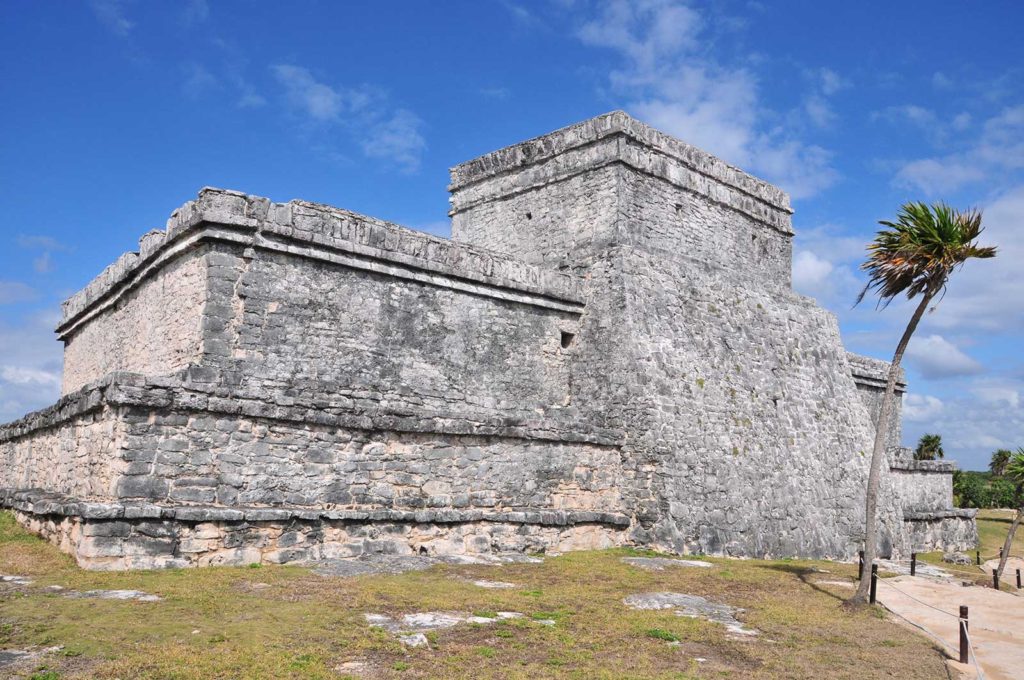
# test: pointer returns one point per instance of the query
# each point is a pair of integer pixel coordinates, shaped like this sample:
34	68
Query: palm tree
997	466
929	447
915	256
1015	472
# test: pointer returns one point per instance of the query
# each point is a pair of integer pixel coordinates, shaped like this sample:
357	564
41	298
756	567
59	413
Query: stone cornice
642	147
196	390
330	234
39	502
873	372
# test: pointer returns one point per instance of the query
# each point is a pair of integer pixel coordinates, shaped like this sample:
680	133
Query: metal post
977	557
874	581
964	652
913	564
995	579
1018	579
860	567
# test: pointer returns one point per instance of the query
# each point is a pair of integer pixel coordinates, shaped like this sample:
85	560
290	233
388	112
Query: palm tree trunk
878	454
1009	540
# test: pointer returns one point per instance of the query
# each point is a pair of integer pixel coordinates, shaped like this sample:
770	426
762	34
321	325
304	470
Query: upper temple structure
607	352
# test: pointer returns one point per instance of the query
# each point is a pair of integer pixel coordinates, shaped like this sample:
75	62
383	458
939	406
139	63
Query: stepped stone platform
607	352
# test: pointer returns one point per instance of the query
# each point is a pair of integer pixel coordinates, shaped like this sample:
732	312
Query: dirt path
996	620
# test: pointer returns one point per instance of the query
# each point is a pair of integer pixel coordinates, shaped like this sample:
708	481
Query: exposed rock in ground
16	580
956	558
693	606
397	564
10	657
903	568
481	583
410	628
414	640
355	667
660	563
116	595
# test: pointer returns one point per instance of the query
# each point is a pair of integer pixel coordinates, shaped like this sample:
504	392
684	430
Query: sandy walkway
996	620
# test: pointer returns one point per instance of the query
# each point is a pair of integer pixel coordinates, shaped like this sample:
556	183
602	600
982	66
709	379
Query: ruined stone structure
608	351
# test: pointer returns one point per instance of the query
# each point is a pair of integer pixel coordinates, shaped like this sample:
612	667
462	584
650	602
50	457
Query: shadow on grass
804	574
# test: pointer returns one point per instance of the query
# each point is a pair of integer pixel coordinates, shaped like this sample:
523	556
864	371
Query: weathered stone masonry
608	351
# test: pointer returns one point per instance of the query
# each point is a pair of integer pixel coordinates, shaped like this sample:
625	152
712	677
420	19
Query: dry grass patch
287	622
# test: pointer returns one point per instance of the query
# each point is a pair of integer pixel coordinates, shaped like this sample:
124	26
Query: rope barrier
942	611
974	656
949	647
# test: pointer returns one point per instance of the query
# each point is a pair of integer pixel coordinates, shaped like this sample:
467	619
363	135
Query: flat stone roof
302	228
610	124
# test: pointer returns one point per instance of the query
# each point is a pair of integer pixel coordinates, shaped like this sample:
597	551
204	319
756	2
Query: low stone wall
112	536
923	485
950	529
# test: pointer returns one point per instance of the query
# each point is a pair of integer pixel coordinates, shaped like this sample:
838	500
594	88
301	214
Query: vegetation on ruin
287	622
929	447
913	256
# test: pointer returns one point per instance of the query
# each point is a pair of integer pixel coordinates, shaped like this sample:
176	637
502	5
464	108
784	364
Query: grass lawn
992	528
287	622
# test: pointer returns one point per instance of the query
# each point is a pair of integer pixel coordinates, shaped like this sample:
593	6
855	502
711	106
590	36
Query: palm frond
916	253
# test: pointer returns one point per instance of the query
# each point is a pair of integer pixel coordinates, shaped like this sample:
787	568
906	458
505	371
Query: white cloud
31	369
198	79
398	140
318	100
809	272
918	115
921	407
941	81
43	264
938	176
13	292
819	111
997	395
669	81
935	357
824	264
20	375
831	82
251	100
973	422
111	14
496	92
40	242
988	295
390	134
998	149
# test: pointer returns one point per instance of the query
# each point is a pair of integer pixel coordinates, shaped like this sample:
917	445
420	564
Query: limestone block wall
924	485
305	299
560	200
315	326
196	448
70	448
746	434
744	388
153	328
871	376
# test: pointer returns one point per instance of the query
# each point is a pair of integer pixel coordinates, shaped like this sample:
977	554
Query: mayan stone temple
607	352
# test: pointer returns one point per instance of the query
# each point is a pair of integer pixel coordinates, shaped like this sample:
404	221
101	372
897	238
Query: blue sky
116	112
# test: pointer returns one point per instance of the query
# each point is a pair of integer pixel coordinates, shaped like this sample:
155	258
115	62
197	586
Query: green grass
993	526
286	622
661	634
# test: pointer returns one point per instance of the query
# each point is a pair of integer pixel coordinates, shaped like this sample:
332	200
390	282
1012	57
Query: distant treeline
982	490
